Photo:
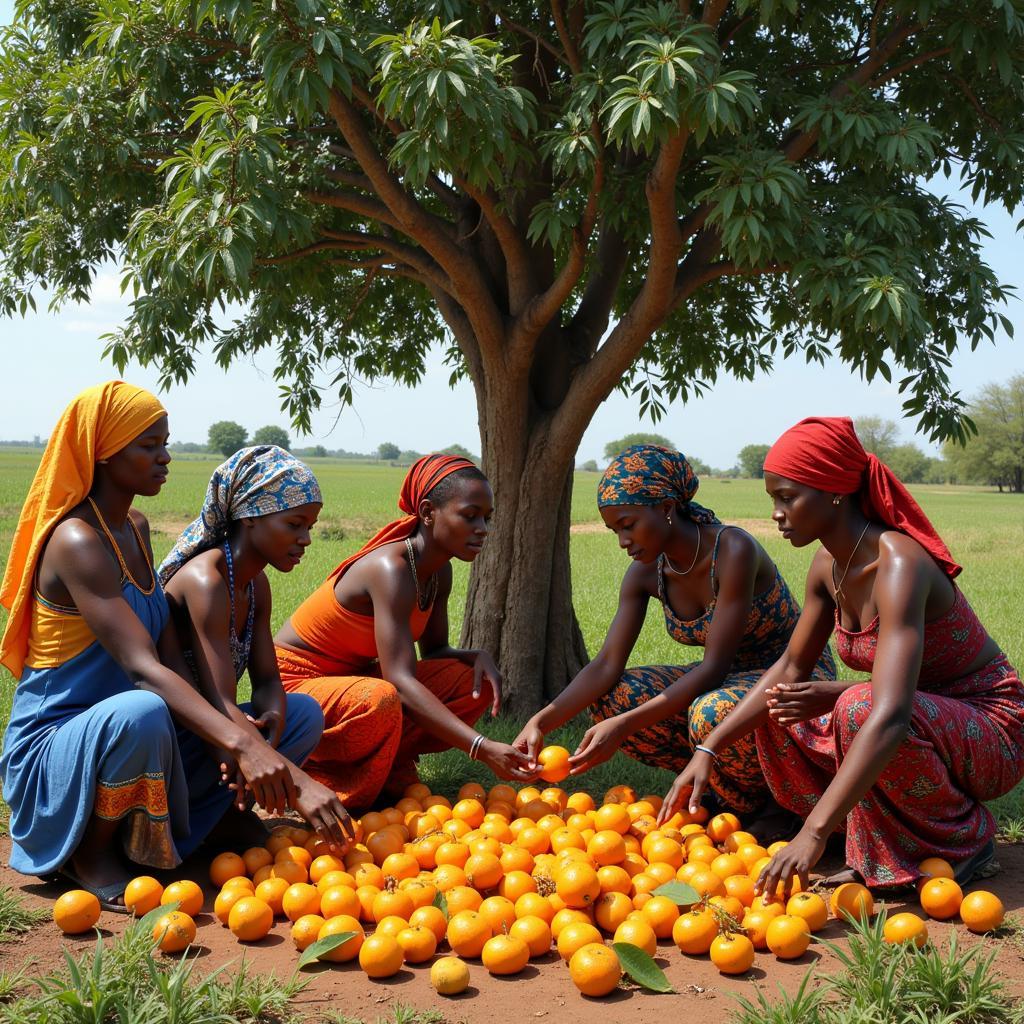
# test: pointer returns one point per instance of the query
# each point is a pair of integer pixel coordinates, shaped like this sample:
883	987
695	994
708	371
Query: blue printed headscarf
647	474
255	481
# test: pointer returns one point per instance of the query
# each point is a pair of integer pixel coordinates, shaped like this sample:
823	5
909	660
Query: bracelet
706	750
474	747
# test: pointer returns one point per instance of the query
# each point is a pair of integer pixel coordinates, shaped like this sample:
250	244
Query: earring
836	500
668	516
103	462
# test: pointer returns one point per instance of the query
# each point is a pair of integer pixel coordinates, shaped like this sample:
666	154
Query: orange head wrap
824	452
423	476
97	424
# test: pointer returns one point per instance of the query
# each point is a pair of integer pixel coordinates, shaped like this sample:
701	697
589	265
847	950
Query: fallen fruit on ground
811	907
142	894
76	911
732	953
418	944
306	931
982	911
174	931
505	954
449	976
595	969
380	956
905	927
347	950
851	899
186	894
788	937
250	919
941	898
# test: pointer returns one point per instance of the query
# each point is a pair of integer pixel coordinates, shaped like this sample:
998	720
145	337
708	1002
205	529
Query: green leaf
681	894
322	946
442	904
640	966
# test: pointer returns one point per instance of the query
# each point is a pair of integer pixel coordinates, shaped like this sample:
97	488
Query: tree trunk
519	605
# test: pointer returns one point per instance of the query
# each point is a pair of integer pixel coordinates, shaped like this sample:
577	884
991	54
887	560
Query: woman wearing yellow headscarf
105	742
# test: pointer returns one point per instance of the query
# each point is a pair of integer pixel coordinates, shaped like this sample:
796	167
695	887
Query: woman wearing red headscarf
352	644
904	760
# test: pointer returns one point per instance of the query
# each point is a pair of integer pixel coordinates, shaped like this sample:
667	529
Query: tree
590	466
272	435
879	436
227	437
613	448
995	455
909	463
569	197
751	460
388	452
458	449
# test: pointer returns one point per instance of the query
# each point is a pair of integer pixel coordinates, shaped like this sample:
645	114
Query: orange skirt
368	746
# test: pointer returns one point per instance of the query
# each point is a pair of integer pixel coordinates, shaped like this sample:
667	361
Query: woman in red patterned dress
904	760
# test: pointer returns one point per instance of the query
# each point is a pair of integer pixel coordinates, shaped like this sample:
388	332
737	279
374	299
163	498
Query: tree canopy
388	452
751	460
227	437
612	448
272	435
995	455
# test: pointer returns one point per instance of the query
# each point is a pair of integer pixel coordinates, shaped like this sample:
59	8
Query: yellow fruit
225	866
788	937
535	932
811	907
661	914
905	928
852	899
76	911
449	975
142	894
637	932
982	911
225	900
380	956
941	898
186	894
467	933
595	969
250	919
418	943
694	931
505	954
732	953
554	764
306	930
299	900
347	950
174	931
578	885
575	935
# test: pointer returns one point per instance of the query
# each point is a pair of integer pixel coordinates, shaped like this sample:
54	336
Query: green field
984	530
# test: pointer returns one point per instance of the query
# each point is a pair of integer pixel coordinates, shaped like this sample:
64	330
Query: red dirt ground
549	994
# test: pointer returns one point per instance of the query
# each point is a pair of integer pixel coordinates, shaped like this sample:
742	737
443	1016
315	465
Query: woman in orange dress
352	645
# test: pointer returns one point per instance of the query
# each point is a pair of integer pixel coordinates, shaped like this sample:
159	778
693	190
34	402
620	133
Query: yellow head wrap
97	424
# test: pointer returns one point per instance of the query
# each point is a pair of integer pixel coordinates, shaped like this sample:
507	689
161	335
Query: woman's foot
773	824
238	829
847	874
106	879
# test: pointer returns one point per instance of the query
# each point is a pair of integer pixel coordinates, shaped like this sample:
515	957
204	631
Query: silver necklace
696	555
424	598
839	586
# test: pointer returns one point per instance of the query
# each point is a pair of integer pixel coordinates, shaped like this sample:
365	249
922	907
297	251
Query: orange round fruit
271	891
469	810
732	953
449	976
935	867
595	969
612	816
693	932
554	764
290	870
611	909
392	902
661	914
432	918
299	900
186	894
76	911
941	898
174	931
721	826
467	933
788	937
339	899
224	866
462	897
607	847
905	928
515	884
535	932
380	956
575	935
852	899
565	917
811	907
391	926
256	857
418	943
639	933
225	900
306	930
505	954
578	885
250	919
348	950
532	904
756	924
483	870
498	912
742	888
982	911
240	882
323	865
400	866
142	894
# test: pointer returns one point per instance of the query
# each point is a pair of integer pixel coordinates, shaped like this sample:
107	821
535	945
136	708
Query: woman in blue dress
97	754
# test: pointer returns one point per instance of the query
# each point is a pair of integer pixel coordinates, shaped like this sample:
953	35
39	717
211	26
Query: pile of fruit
503	876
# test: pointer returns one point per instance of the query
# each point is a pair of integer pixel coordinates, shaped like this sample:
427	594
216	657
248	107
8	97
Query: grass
400	1013
880	983
15	917
985	530
124	982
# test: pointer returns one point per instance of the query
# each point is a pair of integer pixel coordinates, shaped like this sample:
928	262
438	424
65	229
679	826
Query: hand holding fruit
530	740
506	761
690	785
797	857
324	811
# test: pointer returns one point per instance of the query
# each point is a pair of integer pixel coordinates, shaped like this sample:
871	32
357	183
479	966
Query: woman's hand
324	811
530	741
795	858
486	672
599	743
506	762
268	776
790	703
690	785
271	725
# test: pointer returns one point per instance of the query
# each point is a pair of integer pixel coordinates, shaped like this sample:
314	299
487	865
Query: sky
59	354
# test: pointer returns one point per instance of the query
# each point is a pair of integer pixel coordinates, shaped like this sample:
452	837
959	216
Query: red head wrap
824	452
423	476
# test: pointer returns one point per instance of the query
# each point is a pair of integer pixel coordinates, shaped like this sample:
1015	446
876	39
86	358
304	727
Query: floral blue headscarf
647	474
253	482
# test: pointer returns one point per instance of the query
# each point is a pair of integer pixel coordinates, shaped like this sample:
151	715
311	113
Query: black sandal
106	894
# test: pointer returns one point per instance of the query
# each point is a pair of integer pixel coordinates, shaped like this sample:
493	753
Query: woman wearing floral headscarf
719	590
260	506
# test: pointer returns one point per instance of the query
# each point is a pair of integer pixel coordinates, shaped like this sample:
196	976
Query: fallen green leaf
641	967
322	946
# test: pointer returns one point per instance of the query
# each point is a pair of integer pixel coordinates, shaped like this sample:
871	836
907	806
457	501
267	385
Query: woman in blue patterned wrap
719	590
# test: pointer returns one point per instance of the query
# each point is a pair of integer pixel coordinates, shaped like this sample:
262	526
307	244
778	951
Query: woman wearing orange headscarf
107	746
904	761
351	644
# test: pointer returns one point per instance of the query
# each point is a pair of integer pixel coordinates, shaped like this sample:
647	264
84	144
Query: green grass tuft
400	1013
15	917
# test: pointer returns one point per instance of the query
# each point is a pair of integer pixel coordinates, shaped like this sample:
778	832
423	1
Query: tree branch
537	39
713	11
365	206
592	314
572	53
976	103
907	65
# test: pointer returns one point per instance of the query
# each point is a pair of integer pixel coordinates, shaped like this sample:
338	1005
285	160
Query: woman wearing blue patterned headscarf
260	507
718	590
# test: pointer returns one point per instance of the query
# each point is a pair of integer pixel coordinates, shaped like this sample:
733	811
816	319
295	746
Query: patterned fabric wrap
965	745
647	474
255	481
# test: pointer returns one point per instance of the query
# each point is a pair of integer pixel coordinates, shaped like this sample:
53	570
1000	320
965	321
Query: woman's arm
393	597
268	697
809	638
596	678
901	589
92	580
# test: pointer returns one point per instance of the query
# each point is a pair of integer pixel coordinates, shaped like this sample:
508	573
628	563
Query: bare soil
542	992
